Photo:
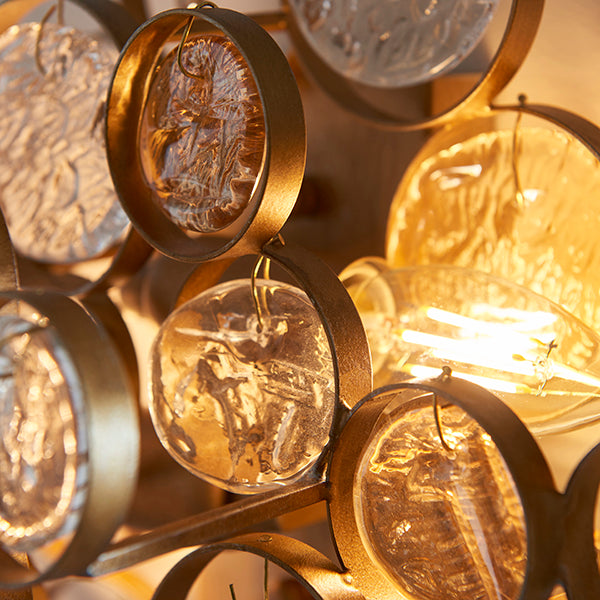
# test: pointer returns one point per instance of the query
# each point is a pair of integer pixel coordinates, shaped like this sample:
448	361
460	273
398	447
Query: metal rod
211	526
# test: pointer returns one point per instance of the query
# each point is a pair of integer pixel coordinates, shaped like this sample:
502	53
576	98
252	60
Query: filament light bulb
537	357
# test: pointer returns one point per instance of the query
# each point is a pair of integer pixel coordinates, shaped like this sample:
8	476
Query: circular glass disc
514	211
202	135
392	43
244	406
55	188
441	523
43	458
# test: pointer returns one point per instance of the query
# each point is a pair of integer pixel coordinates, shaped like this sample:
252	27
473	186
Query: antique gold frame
282	169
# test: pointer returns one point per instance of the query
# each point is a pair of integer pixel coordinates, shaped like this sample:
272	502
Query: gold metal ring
524	460
522	25
282	169
317	574
111	422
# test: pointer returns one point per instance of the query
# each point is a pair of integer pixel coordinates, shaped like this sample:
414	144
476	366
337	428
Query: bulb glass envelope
537	357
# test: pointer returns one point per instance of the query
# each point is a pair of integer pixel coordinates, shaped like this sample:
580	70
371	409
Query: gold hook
60	7
444	376
266	581
438	424
185	36
266	273
515	153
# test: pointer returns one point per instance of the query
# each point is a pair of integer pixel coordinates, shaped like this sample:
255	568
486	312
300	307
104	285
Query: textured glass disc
55	188
202	137
43	461
441	523
392	43
461	207
245	407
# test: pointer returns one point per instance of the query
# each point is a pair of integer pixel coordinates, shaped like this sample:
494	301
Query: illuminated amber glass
524	208
43	449
243	401
202	135
541	360
440	523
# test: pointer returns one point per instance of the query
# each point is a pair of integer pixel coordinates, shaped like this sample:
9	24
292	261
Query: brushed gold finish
317	574
112	431
282	169
522	25
543	505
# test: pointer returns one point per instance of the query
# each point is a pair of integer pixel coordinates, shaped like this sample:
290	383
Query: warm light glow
540	359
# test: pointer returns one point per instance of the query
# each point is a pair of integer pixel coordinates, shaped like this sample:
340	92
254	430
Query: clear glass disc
244	406
440	523
202	135
43	454
56	191
392	43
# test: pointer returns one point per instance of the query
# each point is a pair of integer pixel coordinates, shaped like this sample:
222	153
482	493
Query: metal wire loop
516	150
60	8
445	375
185	36
255	291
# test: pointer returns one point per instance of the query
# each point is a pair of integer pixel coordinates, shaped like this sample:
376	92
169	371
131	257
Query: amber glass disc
441	522
202	135
508	202
43	462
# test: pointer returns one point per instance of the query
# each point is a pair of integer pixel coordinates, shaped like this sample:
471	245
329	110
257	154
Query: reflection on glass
242	398
202	135
55	187
522	204
441	523
43	461
541	360
389	43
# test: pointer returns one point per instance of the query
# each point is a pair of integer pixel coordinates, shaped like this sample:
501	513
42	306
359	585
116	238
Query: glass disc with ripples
440	523
55	187
43	449
391	43
202	135
461	206
245	404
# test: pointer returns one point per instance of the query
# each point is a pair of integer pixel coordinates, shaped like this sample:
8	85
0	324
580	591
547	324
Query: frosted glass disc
55	187
203	137
392	43
441	524
43	461
245	408
460	207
